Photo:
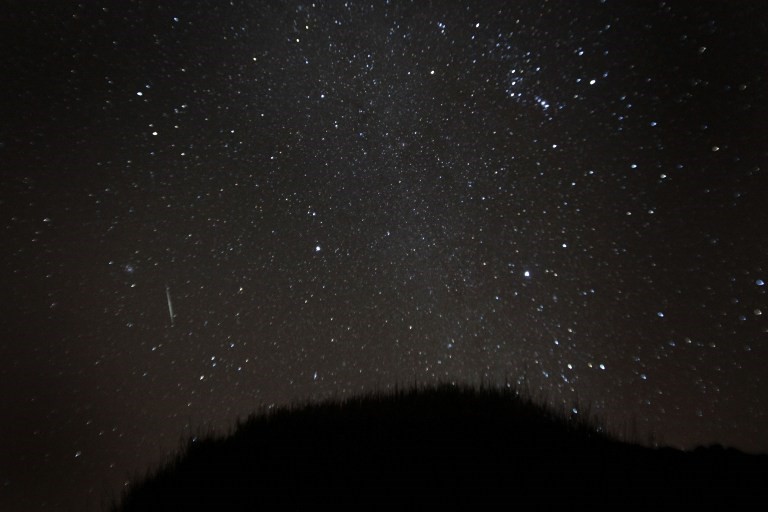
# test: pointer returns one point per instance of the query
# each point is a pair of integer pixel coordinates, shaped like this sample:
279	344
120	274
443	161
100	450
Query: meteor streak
170	306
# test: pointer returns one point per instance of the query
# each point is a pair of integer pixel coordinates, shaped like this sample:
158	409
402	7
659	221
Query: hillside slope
441	448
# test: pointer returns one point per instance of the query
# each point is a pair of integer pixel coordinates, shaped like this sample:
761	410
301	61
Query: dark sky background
338	197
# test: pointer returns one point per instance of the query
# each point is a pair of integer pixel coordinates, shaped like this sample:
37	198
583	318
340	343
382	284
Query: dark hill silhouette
447	447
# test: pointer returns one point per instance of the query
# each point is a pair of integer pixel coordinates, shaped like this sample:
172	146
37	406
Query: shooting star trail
170	306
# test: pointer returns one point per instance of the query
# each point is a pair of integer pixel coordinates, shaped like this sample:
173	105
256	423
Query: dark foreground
445	448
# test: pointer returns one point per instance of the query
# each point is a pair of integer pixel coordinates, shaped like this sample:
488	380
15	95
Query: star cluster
208	207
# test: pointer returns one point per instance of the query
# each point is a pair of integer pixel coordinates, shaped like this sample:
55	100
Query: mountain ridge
449	447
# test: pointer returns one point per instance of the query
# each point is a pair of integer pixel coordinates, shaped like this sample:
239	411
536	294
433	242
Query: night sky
211	206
